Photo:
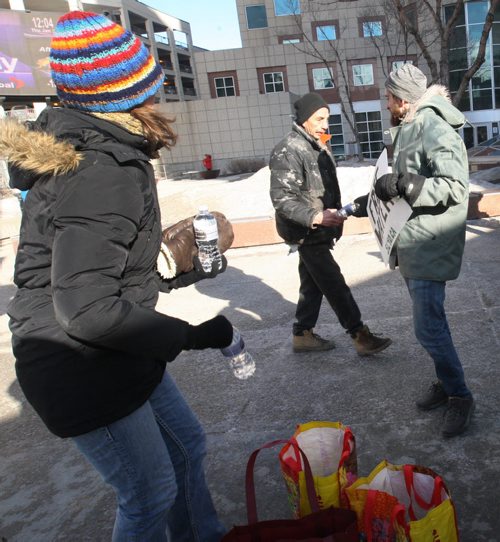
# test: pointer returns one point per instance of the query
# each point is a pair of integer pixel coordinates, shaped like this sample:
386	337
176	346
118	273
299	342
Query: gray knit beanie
407	83
307	105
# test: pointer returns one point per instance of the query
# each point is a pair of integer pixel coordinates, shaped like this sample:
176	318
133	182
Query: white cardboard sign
387	217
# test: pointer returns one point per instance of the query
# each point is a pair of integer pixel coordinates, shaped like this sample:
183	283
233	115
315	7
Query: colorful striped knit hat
97	65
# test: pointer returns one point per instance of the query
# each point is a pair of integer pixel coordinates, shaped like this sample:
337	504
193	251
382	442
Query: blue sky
214	24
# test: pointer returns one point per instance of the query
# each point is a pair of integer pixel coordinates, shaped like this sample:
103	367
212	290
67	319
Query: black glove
410	185
213	272
361	203
197	274
386	187
214	333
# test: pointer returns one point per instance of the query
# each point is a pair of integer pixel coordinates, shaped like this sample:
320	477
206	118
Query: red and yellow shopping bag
331	450
400	503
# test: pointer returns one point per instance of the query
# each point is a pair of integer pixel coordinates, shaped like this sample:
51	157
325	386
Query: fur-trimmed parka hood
437	97
37	152
52	144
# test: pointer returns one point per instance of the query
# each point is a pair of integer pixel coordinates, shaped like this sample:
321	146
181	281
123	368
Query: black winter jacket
89	346
303	183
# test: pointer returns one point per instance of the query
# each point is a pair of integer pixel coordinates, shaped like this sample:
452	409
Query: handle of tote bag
346	445
250	484
436	500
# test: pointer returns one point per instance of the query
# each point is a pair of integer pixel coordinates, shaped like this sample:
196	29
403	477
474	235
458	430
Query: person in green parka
430	170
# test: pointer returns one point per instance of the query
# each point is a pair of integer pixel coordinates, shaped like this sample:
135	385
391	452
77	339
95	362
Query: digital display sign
24	52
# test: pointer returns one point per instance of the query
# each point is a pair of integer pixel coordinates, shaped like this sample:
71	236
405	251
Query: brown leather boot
366	343
311	342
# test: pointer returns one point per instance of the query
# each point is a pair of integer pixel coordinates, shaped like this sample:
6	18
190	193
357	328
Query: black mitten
214	333
410	185
386	186
197	274
213	272
361	209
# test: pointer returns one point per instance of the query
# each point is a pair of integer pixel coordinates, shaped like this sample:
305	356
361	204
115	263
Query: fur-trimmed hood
37	152
55	143
438	98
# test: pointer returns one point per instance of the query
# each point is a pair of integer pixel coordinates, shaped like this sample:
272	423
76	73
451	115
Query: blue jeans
153	460
433	333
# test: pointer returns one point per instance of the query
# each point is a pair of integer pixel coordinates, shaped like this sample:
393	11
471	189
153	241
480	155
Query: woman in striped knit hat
90	348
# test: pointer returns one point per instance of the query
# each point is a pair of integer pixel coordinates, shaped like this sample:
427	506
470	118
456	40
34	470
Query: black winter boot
457	415
434	397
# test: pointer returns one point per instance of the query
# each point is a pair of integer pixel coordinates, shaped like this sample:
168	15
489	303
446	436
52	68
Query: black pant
321	276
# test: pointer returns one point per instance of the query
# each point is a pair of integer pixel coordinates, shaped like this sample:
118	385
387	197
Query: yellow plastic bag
331	451
399	503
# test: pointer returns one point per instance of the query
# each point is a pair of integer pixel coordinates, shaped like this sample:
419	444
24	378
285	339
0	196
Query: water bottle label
206	230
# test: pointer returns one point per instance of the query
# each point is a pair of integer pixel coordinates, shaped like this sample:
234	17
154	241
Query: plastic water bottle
348	210
240	361
207	237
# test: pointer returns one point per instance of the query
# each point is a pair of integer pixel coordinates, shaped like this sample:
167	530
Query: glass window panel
322	78
374	115
496	55
476	12
482	78
278	77
496	74
458	37
455	79
457	59
221	92
398	63
278	87
230	91
335	119
497	97
372	29
269	88
228	81
362	74
268	77
325	32
374	126
360	117
256	16
495	33
335	129
448	12
363	137
482	99
362	126
290	41
337	140
286	7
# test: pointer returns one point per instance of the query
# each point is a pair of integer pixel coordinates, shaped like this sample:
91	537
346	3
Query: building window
292	38
224	86
483	91
324	30
369	128
273	82
372	29
362	75
286	7
256	16
337	139
322	78
396	64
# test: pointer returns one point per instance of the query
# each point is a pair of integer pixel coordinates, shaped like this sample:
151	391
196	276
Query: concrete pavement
48	492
